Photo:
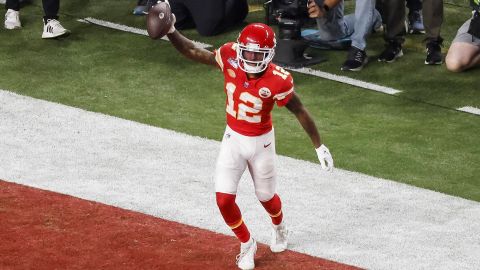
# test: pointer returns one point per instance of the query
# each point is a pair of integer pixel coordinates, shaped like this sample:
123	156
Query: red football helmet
257	39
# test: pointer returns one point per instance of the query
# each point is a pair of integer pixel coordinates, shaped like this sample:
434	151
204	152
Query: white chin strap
252	69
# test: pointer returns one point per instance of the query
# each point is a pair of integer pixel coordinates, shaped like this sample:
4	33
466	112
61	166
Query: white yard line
343	216
470	109
130	29
347	80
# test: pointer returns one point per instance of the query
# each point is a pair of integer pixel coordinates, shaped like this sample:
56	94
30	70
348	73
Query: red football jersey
250	101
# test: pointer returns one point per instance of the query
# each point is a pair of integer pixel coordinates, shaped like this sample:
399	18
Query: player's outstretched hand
174	19
325	158
172	29
160	20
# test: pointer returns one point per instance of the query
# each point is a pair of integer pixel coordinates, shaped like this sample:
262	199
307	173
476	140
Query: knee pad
225	202
264	195
228	208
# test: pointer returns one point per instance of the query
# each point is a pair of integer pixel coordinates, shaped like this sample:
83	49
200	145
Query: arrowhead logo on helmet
256	47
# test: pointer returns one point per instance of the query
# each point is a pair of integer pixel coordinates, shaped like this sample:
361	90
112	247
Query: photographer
334	27
464	53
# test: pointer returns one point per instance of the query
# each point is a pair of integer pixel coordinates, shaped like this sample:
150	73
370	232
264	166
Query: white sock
248	243
281	225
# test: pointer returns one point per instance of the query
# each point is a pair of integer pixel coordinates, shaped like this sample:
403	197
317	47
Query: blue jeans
334	25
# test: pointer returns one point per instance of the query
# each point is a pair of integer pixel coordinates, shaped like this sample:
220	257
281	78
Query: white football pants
236	153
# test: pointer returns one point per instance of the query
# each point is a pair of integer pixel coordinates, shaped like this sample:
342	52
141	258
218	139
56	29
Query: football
159	20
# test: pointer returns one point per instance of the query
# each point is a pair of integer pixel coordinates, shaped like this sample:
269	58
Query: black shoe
434	52
356	59
393	50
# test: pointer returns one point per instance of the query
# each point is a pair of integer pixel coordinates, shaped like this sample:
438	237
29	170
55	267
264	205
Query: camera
290	16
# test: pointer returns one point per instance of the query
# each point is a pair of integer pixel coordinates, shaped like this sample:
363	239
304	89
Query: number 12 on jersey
247	104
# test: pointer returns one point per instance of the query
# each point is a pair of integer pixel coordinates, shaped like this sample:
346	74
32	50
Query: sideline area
305	70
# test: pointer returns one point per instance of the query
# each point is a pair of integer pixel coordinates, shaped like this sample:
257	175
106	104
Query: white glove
325	158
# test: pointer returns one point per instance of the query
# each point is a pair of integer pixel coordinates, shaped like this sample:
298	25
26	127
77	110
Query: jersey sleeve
283	96
222	54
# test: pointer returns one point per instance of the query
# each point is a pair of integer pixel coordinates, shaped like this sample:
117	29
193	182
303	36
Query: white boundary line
470	109
346	80
130	29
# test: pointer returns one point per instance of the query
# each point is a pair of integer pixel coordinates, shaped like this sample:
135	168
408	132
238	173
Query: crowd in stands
334	29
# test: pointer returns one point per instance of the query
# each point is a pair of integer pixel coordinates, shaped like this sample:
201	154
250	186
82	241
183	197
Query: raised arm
186	47
296	107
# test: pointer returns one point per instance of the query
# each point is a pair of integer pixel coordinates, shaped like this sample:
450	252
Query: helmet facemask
254	66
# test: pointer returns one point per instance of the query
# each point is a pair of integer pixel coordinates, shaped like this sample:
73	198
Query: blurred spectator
209	17
143	6
334	29
358	26
394	17
51	26
464	53
415	19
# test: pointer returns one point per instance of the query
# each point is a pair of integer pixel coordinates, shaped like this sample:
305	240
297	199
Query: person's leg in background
50	7
464	53
333	31
415	17
212	17
184	19
52	27
462	56
365	16
433	19
12	4
394	20
235	12
12	15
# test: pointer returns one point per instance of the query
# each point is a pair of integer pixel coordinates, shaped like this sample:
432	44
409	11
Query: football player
253	85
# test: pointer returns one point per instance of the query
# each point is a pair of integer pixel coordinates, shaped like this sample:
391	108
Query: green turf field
415	137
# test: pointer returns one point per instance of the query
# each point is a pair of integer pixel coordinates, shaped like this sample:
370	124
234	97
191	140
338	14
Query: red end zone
46	230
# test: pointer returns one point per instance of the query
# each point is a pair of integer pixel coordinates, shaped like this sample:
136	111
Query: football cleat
12	19
279	240
53	29
245	260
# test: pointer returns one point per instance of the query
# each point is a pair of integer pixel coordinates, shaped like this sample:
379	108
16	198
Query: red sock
232	216
274	209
